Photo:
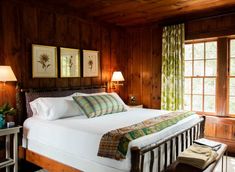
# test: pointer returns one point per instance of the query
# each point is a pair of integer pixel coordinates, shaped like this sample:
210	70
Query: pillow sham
105	93
52	108
98	105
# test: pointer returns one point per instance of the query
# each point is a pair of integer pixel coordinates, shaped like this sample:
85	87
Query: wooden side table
14	160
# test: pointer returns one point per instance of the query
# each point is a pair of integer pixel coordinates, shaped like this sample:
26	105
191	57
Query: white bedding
75	140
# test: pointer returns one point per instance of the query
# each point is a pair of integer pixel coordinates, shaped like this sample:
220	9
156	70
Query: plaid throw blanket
114	144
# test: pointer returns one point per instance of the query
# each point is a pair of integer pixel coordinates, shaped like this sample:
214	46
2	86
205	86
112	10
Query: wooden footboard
177	143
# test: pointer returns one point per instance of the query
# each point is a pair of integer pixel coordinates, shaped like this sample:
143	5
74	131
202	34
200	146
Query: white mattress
75	141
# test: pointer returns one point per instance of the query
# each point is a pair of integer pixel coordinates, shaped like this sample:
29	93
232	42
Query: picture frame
90	63
69	63
44	61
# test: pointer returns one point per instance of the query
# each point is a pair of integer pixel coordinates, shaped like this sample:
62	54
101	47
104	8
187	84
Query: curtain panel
172	87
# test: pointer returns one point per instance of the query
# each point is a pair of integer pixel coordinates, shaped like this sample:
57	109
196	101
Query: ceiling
137	12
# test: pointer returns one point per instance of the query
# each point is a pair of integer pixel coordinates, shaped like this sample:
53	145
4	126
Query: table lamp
7	74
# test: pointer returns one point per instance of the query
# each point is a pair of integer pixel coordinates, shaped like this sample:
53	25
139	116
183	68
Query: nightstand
14	160
135	106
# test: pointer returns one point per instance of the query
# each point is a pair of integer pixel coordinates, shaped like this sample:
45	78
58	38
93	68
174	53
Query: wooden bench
179	167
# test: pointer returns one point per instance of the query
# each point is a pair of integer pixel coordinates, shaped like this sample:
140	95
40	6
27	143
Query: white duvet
77	138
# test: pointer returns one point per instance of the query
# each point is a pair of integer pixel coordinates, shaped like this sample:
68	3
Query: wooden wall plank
147	67
85	44
156	66
62	40
96	45
136	65
106	56
73	41
29	37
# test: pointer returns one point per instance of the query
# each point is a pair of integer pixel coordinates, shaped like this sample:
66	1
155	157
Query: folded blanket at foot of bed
114	144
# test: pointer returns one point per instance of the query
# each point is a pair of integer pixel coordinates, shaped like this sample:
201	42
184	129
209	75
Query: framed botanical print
69	63
90	63
44	61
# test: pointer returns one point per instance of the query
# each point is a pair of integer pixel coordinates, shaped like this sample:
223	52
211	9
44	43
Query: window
231	78
200	77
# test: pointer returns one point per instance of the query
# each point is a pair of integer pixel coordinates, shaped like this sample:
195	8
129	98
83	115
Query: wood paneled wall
144	62
24	24
144	65
134	51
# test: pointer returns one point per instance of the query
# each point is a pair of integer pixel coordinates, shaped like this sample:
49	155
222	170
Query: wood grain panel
221	87
144	65
129	12
47	163
147	67
136	65
210	27
105	54
27	23
221	129
156	67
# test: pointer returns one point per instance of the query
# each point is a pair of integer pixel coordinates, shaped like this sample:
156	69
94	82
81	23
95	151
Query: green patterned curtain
172	67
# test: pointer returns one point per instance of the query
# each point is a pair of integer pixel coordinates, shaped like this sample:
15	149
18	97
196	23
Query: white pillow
52	108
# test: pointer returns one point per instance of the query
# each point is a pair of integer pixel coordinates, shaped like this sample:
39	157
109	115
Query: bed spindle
177	145
182	142
159	159
166	153
142	163
171	151
151	161
190	136
186	139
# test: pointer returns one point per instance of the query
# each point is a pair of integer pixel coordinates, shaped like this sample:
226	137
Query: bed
71	144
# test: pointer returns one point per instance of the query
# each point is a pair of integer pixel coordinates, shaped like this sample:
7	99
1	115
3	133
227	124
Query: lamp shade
7	74
117	76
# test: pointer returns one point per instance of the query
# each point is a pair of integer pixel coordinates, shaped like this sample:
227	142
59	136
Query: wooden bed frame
177	142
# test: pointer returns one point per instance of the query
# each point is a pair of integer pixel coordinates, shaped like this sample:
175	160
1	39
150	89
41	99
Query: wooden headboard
24	96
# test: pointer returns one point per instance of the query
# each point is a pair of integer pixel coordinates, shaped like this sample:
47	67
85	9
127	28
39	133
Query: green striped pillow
98	105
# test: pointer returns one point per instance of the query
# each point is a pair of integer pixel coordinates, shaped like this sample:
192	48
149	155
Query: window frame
229	77
204	41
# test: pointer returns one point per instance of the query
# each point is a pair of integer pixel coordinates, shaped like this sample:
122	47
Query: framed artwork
44	61
90	63
69	63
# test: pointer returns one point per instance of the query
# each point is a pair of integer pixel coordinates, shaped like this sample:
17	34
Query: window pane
187	86
187	102
232	66
232	48
188	51
232	105
209	104
210	85
199	68
197	103
211	50
199	51
197	85
188	68
232	87
210	67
